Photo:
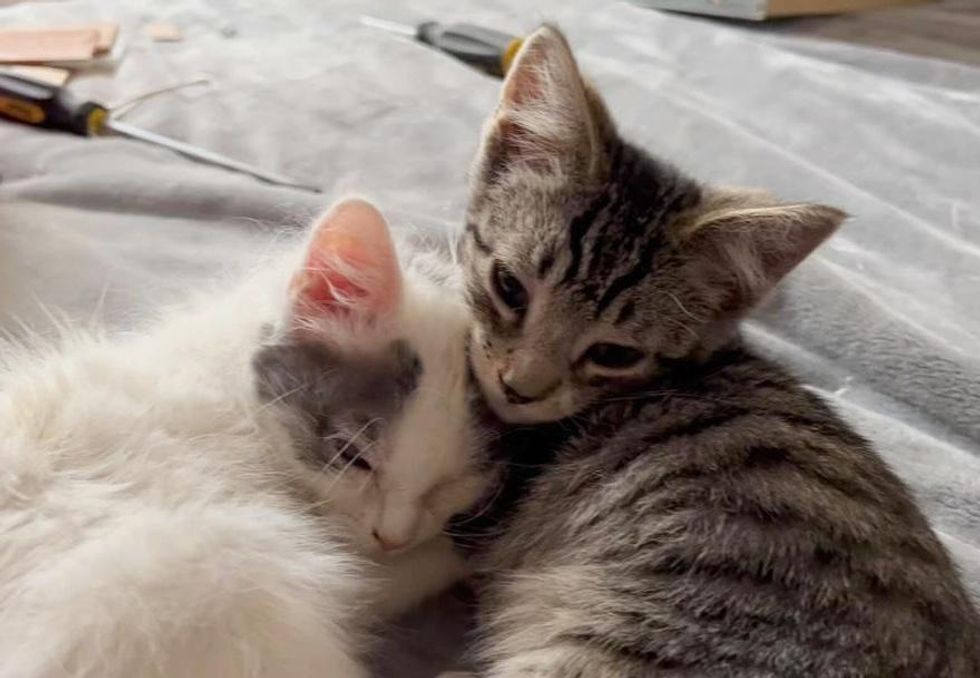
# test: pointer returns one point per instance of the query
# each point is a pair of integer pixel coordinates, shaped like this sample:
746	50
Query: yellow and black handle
44	105
483	48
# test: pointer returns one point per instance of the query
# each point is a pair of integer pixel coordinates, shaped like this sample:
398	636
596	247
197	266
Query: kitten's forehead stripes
583	222
617	235
546	262
625	313
577	231
641	269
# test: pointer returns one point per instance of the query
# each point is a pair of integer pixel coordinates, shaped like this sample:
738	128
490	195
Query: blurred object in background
940	29
758	10
58	45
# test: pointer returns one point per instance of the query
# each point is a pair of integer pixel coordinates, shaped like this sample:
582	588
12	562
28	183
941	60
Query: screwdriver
485	49
41	104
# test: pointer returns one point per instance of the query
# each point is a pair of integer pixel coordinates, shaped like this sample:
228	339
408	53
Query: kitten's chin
531	413
536	413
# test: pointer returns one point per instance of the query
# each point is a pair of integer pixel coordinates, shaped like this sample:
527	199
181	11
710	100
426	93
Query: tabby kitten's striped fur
701	514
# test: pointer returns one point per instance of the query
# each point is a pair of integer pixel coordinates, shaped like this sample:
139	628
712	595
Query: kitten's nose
388	544
527	380
512	395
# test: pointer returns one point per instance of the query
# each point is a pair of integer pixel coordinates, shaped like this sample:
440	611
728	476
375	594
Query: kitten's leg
415	575
565	660
550	624
530	670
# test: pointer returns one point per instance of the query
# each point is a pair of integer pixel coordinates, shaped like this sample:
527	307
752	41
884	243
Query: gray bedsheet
885	320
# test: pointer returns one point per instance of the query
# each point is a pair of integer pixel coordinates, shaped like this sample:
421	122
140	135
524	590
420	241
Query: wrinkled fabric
884	320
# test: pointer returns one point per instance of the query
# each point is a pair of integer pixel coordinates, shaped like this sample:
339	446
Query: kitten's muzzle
515	397
388	544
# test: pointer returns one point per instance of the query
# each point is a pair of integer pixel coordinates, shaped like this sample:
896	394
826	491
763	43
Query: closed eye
362	439
352	455
345	449
610	356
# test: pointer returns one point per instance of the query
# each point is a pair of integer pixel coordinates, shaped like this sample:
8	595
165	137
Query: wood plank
38	45
947	30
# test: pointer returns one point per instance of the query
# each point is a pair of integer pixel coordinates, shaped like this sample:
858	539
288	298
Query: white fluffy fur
154	521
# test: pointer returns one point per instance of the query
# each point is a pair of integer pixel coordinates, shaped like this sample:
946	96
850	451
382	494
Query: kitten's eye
342	453
613	356
508	288
352	455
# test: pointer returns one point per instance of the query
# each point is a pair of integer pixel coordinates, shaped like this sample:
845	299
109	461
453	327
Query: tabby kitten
701	514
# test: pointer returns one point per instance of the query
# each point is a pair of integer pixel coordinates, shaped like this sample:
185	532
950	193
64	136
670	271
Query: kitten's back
728	523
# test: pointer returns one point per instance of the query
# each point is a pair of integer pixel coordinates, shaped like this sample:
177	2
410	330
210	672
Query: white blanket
885	319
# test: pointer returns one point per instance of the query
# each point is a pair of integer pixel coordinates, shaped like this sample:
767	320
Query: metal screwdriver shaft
202	154
43	105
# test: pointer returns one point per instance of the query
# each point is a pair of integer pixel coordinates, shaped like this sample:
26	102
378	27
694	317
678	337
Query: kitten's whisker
681	306
638	395
486	506
350	441
682	325
251	413
482	534
336	456
279	398
367	481
642	395
98	312
341	472
486	436
514	464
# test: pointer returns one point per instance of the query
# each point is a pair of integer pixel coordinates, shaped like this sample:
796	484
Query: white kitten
189	503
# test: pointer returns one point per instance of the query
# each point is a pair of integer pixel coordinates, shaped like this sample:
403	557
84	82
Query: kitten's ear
350	268
548	119
757	242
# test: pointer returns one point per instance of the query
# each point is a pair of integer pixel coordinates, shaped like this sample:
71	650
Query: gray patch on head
333	396
409	366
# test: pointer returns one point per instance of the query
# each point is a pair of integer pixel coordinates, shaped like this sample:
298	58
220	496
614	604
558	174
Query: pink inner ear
350	267
523	85
544	56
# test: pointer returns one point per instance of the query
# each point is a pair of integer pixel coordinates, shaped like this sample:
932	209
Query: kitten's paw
563	661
